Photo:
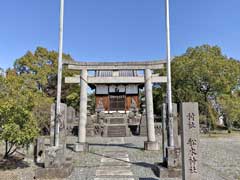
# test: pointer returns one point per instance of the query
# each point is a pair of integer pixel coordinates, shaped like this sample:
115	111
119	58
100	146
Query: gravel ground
220	159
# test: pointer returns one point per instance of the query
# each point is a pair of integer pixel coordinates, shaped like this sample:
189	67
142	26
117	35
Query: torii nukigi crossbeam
115	80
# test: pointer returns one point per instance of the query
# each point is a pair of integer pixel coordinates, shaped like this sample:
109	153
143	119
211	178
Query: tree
230	107
17	123
41	67
202	74
159	92
42	113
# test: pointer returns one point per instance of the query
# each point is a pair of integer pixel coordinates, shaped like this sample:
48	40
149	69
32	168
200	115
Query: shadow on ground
13	163
143	164
70	146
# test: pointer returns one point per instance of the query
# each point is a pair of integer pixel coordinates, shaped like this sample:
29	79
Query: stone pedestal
54	173
173	157
115	125
56	165
162	171
165	131
151	146
81	147
54	157
171	168
116	130
171	165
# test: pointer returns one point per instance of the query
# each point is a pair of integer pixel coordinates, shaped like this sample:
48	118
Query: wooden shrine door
117	102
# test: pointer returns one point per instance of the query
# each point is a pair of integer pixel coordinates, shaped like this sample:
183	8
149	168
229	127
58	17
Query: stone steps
114	172
115	165
117	131
114	159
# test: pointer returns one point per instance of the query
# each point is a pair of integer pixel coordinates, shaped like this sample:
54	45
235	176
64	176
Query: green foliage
41	67
230	106
73	100
159	92
42	113
203	71
19	126
26	95
203	74
17	122
159	96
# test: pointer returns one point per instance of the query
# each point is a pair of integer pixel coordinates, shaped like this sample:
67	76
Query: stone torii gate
147	79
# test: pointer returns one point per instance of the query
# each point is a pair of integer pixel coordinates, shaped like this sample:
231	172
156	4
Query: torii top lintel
132	65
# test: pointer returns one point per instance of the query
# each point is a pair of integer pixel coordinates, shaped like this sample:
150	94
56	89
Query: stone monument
143	122
165	135
90	125
55	162
71	114
63	123
190	141
71	118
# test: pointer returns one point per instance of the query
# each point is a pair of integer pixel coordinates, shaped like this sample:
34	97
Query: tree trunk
6	150
229	125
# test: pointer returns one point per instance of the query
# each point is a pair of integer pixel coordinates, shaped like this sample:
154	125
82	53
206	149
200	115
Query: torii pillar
82	145
151	143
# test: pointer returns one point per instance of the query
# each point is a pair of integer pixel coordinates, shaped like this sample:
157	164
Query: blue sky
117	30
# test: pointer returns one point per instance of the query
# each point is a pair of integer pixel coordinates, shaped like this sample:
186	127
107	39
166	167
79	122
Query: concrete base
54	157
81	147
173	157
171	167
54	173
162	171
151	146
